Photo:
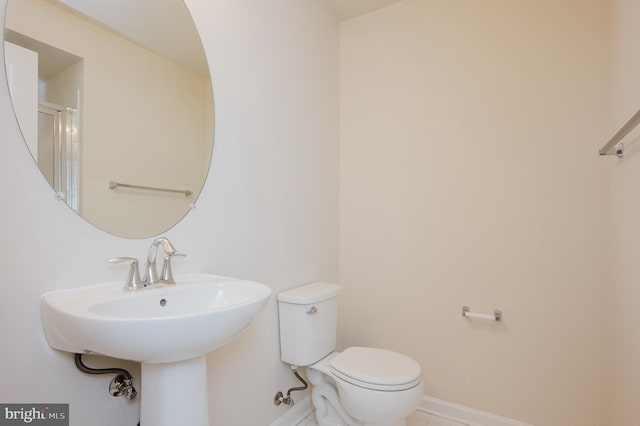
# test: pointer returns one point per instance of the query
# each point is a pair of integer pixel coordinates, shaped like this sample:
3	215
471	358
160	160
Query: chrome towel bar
114	185
608	149
497	315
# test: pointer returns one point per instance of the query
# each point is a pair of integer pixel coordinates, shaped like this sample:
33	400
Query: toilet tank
308	320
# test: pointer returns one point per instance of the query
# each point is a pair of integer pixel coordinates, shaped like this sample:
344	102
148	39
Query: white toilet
358	386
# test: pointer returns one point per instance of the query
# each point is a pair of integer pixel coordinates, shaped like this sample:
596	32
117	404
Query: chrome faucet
151	274
134	281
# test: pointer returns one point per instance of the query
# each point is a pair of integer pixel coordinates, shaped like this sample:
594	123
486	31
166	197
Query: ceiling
182	42
164	26
347	9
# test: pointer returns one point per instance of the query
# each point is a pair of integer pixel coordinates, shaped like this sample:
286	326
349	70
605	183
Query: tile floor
418	418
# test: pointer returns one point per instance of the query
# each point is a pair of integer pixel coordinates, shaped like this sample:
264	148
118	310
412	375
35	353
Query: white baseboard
296	414
459	413
465	415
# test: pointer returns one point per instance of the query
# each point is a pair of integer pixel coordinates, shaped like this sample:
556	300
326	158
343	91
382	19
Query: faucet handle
166	276
133	279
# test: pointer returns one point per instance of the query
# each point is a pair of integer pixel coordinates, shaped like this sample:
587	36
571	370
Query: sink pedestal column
174	393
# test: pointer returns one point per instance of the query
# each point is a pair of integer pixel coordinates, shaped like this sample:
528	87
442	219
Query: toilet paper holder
497	314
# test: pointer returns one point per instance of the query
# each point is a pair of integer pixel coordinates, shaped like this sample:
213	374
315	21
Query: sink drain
163	302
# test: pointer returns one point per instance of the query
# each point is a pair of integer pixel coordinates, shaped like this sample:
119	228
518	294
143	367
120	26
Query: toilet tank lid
310	293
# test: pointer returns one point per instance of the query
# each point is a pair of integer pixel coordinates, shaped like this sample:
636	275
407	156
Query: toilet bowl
358	386
374	387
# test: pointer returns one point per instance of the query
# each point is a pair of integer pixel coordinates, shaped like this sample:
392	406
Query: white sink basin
158	324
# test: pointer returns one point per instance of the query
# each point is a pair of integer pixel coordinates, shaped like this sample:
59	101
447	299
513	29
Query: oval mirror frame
120	126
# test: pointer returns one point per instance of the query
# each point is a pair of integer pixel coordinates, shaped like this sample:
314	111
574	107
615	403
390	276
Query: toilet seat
376	369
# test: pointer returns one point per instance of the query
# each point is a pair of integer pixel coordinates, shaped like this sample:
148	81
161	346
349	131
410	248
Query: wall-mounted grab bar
497	315
608	149
114	185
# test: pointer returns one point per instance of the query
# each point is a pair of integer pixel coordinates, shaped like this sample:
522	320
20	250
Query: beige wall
21	66
469	176
625	178
128	93
64	87
268	213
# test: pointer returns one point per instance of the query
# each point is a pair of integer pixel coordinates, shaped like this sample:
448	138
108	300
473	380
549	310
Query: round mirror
114	101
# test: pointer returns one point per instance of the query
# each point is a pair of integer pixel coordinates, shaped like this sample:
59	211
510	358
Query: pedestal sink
168	328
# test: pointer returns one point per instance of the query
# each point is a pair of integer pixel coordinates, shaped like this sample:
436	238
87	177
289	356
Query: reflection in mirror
113	92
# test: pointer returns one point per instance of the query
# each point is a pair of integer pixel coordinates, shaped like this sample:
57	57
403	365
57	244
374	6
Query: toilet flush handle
313	310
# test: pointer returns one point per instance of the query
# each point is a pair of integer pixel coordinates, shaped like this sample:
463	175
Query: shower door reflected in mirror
48	81
58	149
